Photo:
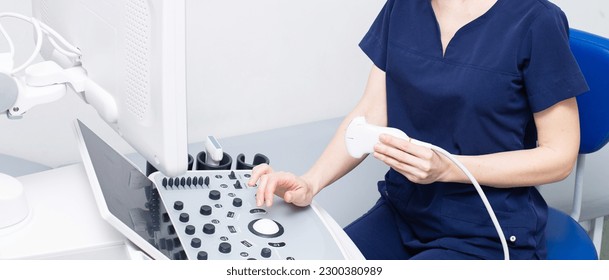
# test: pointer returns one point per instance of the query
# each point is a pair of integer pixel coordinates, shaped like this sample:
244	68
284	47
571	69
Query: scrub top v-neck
478	97
474	22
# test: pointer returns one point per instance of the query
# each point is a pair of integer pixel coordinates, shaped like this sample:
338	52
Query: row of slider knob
185	181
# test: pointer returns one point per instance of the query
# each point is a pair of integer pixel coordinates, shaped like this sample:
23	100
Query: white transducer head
361	136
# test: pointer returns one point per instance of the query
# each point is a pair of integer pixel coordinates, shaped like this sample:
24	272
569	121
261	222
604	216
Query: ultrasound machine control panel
214	216
206	213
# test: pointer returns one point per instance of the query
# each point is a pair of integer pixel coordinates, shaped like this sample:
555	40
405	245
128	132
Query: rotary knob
265	253
214	195
178	205
237	202
205	210
195	243
184	217
202	255
224	247
190	229
209	229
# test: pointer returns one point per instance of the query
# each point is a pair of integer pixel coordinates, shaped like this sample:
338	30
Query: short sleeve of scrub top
477	97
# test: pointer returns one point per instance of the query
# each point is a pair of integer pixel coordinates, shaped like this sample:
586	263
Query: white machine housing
136	51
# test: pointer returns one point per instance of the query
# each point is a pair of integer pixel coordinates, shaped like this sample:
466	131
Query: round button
190	229
237	202
224	247
178	205
265	253
265	228
195	243
202	255
512	238
205	210
209	229
184	217
214	195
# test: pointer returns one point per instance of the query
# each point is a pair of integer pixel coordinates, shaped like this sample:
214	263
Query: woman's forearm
335	161
552	160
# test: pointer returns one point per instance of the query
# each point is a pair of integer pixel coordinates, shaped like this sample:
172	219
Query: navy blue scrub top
477	98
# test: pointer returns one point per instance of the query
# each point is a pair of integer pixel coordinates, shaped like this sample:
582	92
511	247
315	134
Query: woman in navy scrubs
491	81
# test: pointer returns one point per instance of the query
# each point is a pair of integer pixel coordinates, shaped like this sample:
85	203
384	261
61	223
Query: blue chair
566	238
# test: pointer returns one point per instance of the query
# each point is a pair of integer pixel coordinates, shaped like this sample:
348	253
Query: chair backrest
566	238
592	55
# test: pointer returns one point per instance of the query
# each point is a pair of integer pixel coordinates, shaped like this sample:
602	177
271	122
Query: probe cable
39	28
489	209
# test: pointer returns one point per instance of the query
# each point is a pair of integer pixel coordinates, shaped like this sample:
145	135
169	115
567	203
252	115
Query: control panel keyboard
214	216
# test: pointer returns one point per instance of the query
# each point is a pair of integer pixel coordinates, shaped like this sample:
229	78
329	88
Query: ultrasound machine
126	58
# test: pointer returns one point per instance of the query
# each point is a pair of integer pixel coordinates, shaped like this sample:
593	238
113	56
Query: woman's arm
333	163
552	160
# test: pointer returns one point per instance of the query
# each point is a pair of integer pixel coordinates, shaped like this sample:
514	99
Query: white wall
588	15
253	65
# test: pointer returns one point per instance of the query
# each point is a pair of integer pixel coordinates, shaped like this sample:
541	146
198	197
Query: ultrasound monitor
135	51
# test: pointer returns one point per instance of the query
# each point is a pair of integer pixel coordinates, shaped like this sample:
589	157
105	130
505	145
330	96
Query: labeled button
258	211
276	244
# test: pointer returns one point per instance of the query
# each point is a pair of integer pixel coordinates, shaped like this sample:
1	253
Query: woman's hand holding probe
291	188
418	164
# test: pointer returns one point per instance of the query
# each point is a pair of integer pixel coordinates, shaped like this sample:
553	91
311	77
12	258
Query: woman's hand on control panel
291	188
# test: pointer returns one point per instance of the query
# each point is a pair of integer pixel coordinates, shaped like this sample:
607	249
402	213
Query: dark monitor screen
130	197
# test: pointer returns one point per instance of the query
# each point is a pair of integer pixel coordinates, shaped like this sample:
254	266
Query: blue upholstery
566	239
592	54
